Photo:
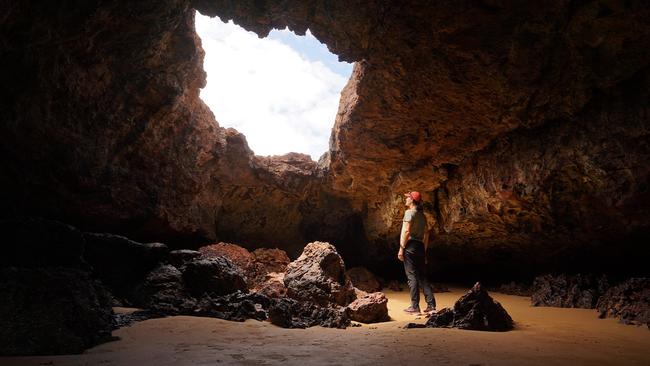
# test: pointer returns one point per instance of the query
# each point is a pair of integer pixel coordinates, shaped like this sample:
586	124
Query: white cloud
280	100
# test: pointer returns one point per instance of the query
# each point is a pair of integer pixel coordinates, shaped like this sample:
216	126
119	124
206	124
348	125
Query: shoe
412	310
430	309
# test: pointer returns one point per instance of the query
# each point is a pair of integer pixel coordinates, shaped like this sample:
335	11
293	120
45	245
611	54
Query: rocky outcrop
163	291
237	306
216	275
628	301
363	279
567	291
53	310
369	308
475	310
120	262
178	258
289	313
271	260
318	275
236	254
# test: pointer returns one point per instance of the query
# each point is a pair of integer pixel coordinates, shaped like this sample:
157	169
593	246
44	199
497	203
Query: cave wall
523	124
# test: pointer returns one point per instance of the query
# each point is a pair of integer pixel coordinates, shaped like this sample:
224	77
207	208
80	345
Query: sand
543	336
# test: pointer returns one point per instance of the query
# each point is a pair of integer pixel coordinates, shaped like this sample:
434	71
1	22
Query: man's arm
403	239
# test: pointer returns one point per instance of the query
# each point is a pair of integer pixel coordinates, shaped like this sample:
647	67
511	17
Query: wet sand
543	336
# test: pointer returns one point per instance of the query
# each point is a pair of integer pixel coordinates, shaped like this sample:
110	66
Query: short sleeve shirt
418	224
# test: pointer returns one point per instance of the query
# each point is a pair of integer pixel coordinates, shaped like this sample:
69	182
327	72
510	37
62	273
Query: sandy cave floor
543	336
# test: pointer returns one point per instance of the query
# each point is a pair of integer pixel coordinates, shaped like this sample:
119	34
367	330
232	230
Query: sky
282	92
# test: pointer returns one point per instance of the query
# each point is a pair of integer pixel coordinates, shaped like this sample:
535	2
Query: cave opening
281	91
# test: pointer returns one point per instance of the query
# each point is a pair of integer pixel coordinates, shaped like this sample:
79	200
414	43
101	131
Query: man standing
412	251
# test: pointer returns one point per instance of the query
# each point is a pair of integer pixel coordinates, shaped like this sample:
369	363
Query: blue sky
282	92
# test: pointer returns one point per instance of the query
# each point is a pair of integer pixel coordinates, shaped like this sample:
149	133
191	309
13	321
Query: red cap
415	196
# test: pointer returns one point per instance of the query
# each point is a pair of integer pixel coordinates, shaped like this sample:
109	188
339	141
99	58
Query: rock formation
566	291
318	275
475	310
629	301
369	308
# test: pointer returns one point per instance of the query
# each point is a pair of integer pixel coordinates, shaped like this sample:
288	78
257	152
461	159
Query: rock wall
523	125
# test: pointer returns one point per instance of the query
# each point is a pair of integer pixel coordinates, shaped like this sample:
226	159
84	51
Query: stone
51	311
363	279
163	291
237	306
272	260
318	275
273	287
238	255
568	291
37	242
629	301
290	313
476	310
213	276
370	308
120	262
178	258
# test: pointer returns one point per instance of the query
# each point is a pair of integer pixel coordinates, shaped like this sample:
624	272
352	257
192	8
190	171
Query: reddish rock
273	286
235	253
318	275
363	279
370	308
272	260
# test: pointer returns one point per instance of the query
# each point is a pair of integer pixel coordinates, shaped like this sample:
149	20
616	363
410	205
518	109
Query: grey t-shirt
418	224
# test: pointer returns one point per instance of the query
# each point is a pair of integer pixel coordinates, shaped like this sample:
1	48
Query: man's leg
421	270
411	277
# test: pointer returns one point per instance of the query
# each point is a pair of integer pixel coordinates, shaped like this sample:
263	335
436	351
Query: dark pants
415	274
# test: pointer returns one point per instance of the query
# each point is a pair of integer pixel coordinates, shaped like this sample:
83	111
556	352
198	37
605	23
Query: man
412	251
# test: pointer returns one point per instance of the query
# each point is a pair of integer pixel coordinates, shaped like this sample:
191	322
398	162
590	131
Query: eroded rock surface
568	291
475	310
369	308
290	313
629	301
215	275
318	275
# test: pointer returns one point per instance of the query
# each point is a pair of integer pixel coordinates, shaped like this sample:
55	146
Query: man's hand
400	254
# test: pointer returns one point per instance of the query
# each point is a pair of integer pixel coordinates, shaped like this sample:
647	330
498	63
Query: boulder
237	306
36	242
271	260
216	275
178	258
566	291
163	291
236	254
363	279
370	308
54	310
290	313
629	301
120	262
475	310
273	286
318	275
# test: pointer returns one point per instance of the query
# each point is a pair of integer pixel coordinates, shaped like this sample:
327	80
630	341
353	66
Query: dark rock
36	242
414	325
363	279
370	308
121	262
565	291
475	310
630	301
52	311
127	319
217	276
318	275
178	258
290	313
237	306
514	288
163	291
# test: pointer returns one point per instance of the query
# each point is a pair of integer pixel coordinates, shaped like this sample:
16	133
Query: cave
525	127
